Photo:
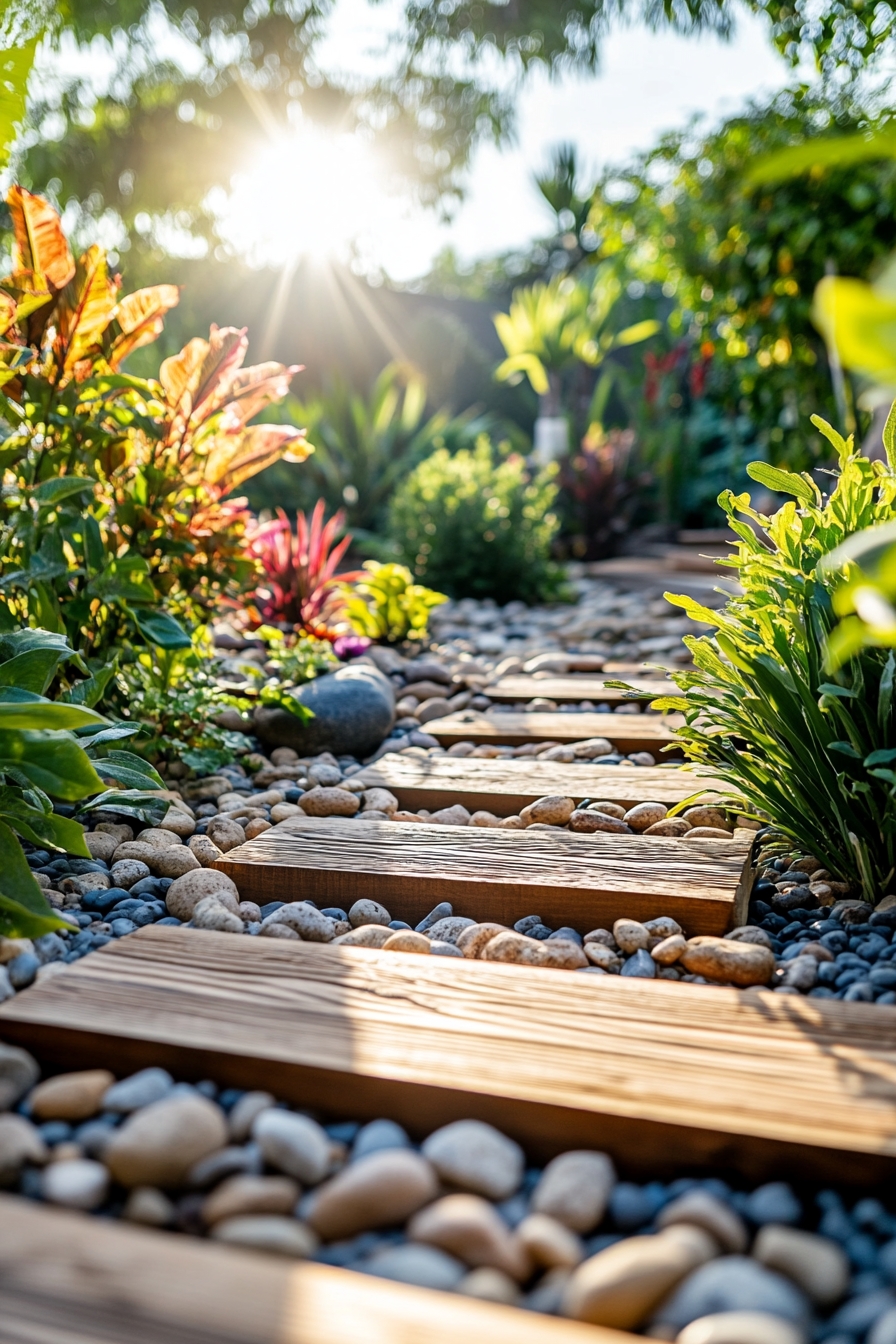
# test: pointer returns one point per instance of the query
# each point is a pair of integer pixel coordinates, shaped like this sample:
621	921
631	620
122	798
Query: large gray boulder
354	709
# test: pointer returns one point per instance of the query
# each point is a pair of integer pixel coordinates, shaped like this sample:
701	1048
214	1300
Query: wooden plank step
583	881
627	732
663	1076
66	1278
576	686
505	787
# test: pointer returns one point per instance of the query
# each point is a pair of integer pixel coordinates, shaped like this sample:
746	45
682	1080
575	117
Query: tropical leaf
50	493
233	458
828	152
784	482
24	910
84	309
15	67
54	761
129	770
40	244
158	628
41	828
51	714
138	320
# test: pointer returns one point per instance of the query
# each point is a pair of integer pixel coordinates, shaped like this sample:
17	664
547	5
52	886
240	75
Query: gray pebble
449	929
773	1203
49	947
641	965
376	1136
443	910
734	1283
141	1089
22	970
440	949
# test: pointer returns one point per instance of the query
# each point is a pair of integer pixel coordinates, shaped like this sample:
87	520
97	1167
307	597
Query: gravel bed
699	1261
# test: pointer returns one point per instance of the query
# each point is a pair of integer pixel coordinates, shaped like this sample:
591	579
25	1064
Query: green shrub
799	744
474	527
388	605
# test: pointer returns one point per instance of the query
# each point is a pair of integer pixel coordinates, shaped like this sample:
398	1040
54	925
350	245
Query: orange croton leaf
40	244
138	320
179	374
227	348
254	388
7	312
233	458
84	309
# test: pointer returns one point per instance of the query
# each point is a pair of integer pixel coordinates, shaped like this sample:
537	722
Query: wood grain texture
664	1076
576	686
66	1278
585	881
504	787
626	732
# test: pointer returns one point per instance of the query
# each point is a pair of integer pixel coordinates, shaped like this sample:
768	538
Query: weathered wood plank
626	732
661	1075
576	686
66	1278
504	787
585	881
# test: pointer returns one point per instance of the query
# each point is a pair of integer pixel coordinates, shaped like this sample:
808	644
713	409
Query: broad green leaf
783	482
889	437
131	771
91	690
54	761
117	733
860	324
146	807
886	756
162	630
845	692
50	493
31	671
41	827
20	895
23	641
34	714
843	151
15	67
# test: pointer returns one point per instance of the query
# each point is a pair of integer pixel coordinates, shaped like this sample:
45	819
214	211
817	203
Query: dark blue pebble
49	946
147	886
393	923
102	901
271	907
55	1131
570	935
631	1206
292	795
526	923
342	1132
229	1097
100	940
333	912
120	927
38	858
22	970
860	991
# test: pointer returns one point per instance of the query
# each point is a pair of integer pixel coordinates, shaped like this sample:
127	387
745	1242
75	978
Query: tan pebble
512	824
598	954
751	933
268	1232
66	1152
474	939
71	1096
282	812
740	1327
815	950
245	1113
126	872
376	1191
409	816
587	821
549	1243
135	849
669	950
593	746
249	912
621	1285
20	1142
562	954
474	1156
708	833
379	800
179	822
226	833
574	1188
257	826
823	893
609	809
100	845
644	815
367	911
485	819
817	1264
602	936
206	852
150	1207
186	892
174	862
670	827
631	935
368	935
545	826
702	1209
451	816
554	810
704	815
242	1194
489	1285
209	913
159	1144
664	926
406	940
270	798
436	708
284	756
279	931
329	802
14	947
119	829
470	1228
723	959
515	948
159	838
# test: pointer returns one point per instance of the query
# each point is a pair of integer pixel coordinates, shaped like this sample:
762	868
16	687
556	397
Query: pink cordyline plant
301	586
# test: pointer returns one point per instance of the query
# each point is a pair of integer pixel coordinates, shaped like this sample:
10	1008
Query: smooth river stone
268	1232
621	1285
186	892
417	1264
549	1243
477	1157
472	941
406	940
817	1264
575	1189
332	802
242	1195
724	959
705	1210
553	811
225	833
631	935
211	914
562	954
368	935
645	814
469	1227
174	862
376	1191
303	919
368	912
588	820
71	1096
449	929
734	1283
20	1142
515	948
741	1327
160	1143
141	1089
669	950
78	1184
295	1144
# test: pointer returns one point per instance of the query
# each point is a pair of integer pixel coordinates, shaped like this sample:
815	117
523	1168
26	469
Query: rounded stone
733	1283
141	1089
417	1264
562	954
515	948
212	915
741	1327
268	1232
406	940
486	819
135	849
669	950
379	800
303	919
549	1243
725	959
554	810
100	845
439	949
575	1188
600	955
367	935
621	1285
451	816
329	802
469	1228
159	837
354	709
705	1210
150	1207
588	820
180	823
174	862
377	1136
664	926
245	1112
609	809
489	1285
225	833
449	929
160	1143
206	852
19	1071
376	1191
294	1144
816	1264
474	1156
20	1142
238	1196
670	828
473	940
368	912
78	1184
703	815
257	826
709	833
71	1096
128	871
186	892
645	815
631	935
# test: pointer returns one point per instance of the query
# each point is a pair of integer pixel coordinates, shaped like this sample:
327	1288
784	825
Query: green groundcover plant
386	604
479	525
800	744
